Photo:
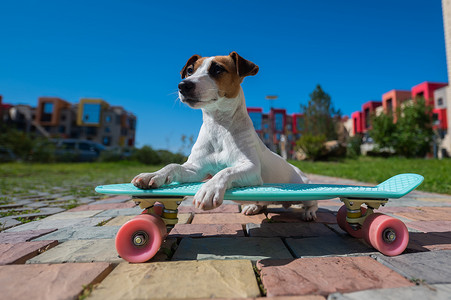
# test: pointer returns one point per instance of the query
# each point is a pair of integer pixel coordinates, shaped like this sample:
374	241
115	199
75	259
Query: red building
393	99
426	90
368	109
357	125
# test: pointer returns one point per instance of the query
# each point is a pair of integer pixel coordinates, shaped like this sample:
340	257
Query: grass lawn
76	179
437	173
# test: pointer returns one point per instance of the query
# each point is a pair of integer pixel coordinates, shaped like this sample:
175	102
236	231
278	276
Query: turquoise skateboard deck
395	187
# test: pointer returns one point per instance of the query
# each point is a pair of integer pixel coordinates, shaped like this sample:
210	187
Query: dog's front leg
188	172
211	194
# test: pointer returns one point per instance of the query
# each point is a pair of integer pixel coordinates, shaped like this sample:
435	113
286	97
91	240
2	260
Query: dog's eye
190	71
217	70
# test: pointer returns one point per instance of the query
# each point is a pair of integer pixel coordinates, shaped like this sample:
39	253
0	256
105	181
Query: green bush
27	147
353	149
168	157
43	151
110	156
411	135
147	155
312	145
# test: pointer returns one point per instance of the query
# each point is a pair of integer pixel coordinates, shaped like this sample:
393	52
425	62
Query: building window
367	118
256	118
108	119
91	113
107	130
106	140
439	101
62	129
47	112
278	122
300	123
132	123
389	105
91	131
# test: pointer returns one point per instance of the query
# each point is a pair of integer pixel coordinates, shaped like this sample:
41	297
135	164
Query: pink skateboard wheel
341	221
139	239
386	234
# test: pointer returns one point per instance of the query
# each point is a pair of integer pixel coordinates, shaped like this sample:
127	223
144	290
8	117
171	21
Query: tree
319	114
411	135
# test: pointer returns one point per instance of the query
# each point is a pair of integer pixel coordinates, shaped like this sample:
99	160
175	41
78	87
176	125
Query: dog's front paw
310	211
251	209
209	196
150	180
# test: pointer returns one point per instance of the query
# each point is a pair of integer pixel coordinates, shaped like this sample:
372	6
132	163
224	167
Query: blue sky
129	53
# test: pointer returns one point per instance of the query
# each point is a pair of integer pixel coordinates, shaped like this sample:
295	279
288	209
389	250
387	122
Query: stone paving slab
180	280
74	215
430	241
113	199
80	251
51	224
328	246
106	206
19	253
227	218
82	233
431	226
22	236
432	267
297	217
47	282
224	208
305	229
407	201
435	291
326	275
206	230
111	213
185	218
8	222
119	220
428	214
231	248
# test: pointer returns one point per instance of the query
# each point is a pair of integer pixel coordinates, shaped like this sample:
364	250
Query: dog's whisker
173	93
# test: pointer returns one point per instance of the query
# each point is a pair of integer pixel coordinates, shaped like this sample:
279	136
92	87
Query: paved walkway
223	254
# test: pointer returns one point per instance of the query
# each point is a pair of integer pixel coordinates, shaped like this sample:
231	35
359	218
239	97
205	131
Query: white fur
227	148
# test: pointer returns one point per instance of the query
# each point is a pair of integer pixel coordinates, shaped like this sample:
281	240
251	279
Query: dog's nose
186	86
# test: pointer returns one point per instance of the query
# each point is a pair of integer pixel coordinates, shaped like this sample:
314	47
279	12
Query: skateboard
139	239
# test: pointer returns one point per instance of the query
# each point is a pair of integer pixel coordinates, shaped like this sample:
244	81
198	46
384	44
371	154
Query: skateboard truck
164	207
356	214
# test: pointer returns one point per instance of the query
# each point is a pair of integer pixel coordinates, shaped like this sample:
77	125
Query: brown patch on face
224	72
191	65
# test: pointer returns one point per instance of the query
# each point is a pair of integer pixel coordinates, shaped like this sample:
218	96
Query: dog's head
209	80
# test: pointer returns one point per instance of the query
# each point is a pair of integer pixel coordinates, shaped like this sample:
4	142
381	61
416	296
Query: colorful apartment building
91	119
435	95
278	130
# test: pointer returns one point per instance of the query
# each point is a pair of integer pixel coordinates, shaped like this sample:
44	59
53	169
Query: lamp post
271	98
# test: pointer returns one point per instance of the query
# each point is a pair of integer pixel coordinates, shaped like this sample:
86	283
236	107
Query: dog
228	149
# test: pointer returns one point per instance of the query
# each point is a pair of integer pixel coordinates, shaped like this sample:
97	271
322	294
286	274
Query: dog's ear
190	61
243	66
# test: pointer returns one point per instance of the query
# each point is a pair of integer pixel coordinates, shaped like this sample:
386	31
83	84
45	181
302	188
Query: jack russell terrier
228	148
